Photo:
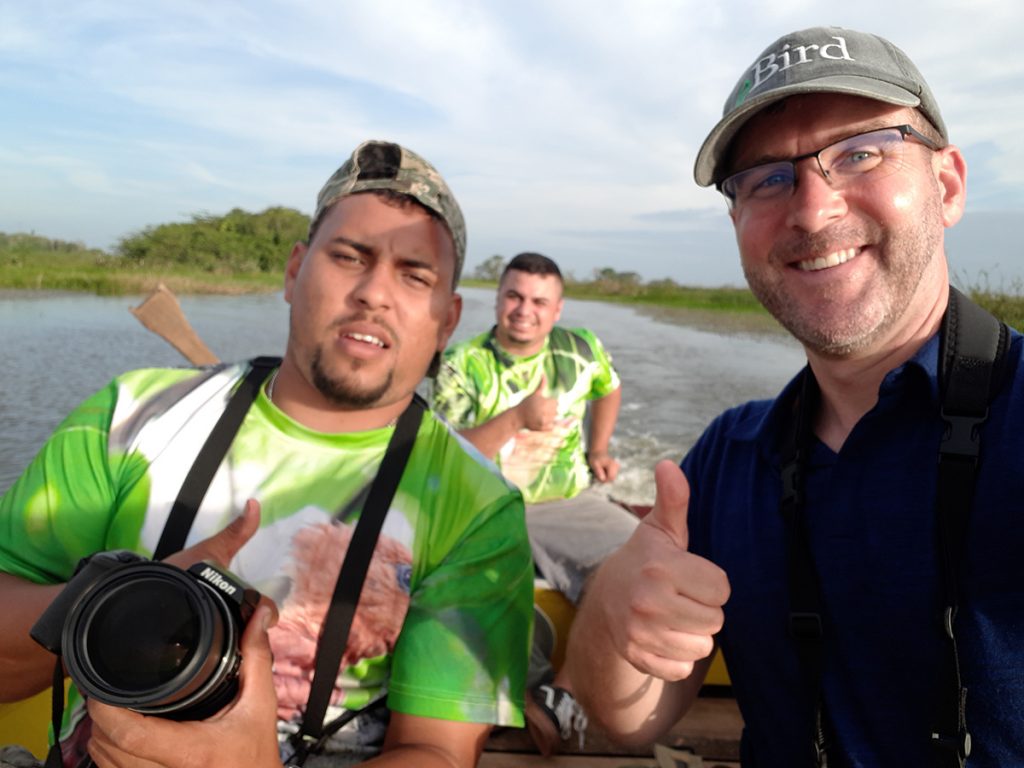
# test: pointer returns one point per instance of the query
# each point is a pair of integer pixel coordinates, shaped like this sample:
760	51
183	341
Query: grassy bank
105	279
655	294
30	262
113	282
101	274
739	301
239	252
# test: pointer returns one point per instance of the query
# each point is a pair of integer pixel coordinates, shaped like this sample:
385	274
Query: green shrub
235	243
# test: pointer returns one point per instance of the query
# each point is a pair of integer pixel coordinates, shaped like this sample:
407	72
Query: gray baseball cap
817	60
386	165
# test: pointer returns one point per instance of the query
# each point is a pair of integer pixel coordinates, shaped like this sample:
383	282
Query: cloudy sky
564	126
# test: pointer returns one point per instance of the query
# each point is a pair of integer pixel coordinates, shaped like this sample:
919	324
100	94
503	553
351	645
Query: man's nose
374	288
815	202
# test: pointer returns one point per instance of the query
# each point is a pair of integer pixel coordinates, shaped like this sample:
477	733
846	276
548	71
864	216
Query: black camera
150	636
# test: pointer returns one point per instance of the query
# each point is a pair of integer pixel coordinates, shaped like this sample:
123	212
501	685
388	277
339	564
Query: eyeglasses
857	158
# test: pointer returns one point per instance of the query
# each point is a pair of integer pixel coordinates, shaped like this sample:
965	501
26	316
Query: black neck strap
806	625
197	481
338	621
334	632
971	365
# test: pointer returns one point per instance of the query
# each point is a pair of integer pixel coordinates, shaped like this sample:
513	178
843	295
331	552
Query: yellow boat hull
26	723
560	613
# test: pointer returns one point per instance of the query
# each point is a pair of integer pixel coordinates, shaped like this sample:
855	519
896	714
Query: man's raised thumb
671	502
224	545
542	385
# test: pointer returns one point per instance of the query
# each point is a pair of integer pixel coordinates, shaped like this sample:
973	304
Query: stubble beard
513	341
904	255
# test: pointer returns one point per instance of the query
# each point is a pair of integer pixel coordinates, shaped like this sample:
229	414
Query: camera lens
156	639
142	636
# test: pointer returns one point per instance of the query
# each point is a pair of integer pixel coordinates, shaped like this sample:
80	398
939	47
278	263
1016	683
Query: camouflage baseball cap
817	60
386	165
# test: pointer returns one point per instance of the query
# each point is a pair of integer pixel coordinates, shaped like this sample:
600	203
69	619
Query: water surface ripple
59	348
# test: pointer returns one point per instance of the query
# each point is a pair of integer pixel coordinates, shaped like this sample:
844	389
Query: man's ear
951	173
451	320
291	269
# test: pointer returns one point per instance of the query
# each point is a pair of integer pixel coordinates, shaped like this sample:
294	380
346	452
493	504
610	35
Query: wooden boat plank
711	729
512	760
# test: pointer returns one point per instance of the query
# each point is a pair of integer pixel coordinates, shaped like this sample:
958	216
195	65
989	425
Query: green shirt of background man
519	394
479	380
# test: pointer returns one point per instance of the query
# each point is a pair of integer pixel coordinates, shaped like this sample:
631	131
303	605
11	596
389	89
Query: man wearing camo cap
380	166
854	546
440	635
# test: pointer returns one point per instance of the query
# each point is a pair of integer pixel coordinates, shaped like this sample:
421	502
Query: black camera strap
197	481
360	552
334	632
54	757
972	363
806	627
350	579
349	586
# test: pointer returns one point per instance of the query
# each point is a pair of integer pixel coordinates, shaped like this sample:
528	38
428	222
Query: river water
56	349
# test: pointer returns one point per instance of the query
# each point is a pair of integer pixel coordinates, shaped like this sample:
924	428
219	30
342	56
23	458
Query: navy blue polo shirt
872	525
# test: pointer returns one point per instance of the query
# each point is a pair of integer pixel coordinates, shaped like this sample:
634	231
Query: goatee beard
341	392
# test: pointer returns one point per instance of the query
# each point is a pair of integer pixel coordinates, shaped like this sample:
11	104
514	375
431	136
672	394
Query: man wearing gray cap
329	437
854	545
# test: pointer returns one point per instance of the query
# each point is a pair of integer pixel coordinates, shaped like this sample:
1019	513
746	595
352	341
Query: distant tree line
16	248
32	242
237	242
489	269
610	284
202	255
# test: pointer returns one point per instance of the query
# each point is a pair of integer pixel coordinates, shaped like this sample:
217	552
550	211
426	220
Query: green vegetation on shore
239	252
627	287
242	252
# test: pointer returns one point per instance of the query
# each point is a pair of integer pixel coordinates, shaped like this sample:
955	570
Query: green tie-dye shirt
444	619
480	380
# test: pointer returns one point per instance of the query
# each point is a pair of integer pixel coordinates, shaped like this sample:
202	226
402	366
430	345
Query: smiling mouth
834	259
520	327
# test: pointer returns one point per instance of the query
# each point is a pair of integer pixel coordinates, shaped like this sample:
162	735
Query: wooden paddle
161	313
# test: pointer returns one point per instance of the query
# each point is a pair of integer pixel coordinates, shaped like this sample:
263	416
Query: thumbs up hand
537	412
222	546
661	604
671	504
